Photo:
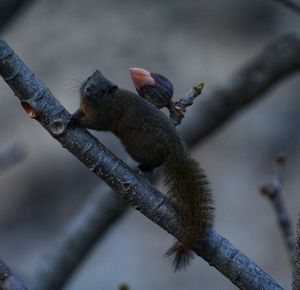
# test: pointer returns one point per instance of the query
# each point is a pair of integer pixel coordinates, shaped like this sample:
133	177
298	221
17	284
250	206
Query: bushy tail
189	188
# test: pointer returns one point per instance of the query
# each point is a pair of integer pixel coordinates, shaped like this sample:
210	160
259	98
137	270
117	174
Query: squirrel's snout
88	90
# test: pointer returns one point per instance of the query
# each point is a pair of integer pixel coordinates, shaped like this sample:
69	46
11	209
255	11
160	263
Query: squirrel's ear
113	89
97	73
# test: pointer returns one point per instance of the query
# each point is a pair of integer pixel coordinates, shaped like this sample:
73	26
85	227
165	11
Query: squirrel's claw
73	123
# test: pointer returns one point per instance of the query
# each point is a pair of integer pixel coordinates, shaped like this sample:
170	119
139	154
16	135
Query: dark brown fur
152	140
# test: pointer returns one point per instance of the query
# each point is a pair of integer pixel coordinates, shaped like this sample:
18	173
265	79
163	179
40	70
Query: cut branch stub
36	110
57	127
32	113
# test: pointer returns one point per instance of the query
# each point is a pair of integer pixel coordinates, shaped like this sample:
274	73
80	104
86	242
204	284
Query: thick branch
92	222
276	62
8	281
62	266
39	103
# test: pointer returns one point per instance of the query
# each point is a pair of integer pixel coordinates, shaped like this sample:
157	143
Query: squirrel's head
96	87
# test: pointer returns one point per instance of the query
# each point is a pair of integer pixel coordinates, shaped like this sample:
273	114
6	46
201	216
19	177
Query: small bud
199	87
268	190
140	77
123	286
280	159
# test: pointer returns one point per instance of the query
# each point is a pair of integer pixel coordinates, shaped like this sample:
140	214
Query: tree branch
10	154
178	108
275	63
9	9
8	281
273	191
92	222
40	104
99	213
291	5
65	272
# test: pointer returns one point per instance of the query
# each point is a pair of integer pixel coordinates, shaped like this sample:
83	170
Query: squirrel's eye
89	90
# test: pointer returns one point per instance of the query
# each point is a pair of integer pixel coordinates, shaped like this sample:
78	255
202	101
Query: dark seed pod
154	87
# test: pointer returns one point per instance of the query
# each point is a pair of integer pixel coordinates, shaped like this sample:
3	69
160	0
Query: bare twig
274	192
291	5
296	264
177	109
8	281
40	104
10	154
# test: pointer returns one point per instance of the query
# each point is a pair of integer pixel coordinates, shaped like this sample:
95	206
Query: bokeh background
188	41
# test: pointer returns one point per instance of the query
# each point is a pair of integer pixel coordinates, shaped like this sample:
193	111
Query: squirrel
152	140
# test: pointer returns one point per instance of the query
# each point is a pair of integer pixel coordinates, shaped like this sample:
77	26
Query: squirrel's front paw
73	123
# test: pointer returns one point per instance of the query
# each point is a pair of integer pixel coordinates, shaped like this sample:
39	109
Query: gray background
188	41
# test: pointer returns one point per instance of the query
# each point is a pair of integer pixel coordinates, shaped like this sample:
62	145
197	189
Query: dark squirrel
152	140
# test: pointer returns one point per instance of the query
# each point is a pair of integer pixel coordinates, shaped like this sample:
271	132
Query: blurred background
63	42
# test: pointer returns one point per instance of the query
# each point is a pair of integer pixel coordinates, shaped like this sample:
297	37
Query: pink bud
141	77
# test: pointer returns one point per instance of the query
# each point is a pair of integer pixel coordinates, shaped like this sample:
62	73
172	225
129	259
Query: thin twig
273	192
40	104
11	154
177	109
8	281
291	5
